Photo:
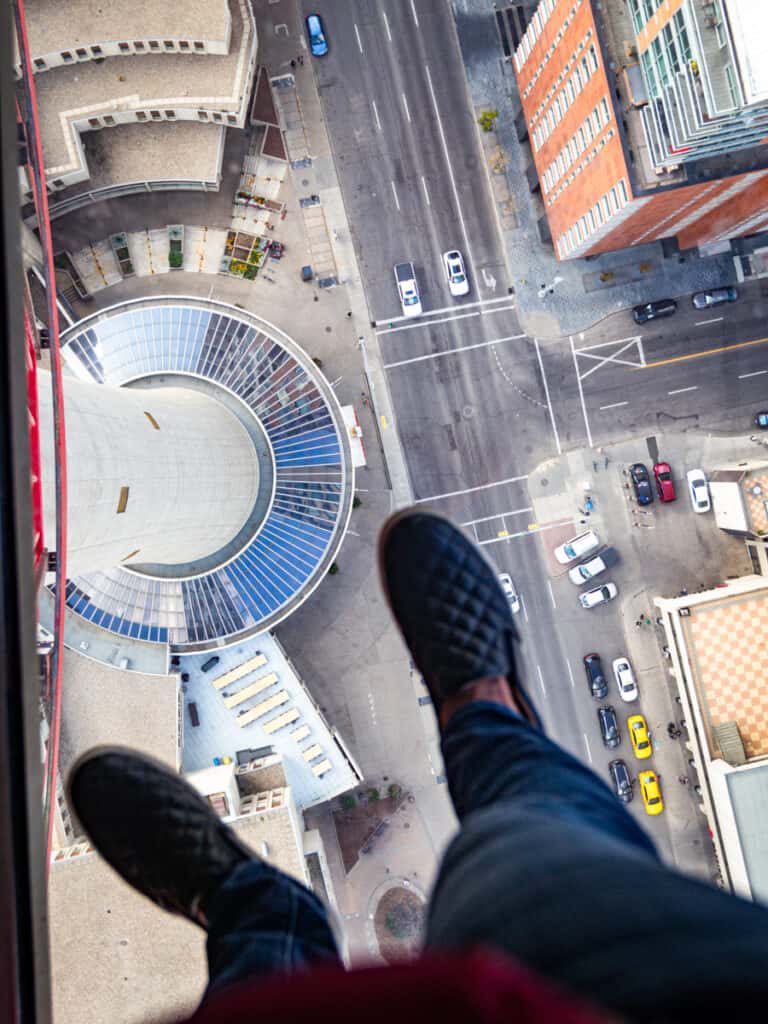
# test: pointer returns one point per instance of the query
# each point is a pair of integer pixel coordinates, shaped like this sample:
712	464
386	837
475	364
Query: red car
665	485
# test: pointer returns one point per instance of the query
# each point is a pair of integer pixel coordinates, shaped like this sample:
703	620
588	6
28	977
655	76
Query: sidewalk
556	298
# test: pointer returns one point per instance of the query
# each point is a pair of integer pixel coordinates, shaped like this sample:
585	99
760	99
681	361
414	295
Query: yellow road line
700	355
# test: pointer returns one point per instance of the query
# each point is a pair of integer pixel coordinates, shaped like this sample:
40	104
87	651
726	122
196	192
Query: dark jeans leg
550	867
264	922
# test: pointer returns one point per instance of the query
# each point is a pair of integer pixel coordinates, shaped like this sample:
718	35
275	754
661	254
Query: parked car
698	490
194	715
625	679
408	289
510	591
654	310
665	485
609	727
761	420
594	566
598	595
714	297
641	483
640	737
208	665
458	282
318	44
577	547
651	792
598	685
622	780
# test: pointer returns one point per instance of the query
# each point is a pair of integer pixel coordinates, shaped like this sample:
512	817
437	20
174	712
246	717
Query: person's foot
449	606
154	829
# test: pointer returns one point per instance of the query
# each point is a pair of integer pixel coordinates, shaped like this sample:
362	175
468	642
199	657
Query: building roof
167	80
740	499
748	22
53	26
748	791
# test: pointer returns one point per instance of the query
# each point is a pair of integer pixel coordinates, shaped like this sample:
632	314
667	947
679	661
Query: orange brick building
648	122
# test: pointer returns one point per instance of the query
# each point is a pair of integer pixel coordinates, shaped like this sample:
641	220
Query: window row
584	68
614	200
578	168
585	134
135	46
550	51
533	31
107	120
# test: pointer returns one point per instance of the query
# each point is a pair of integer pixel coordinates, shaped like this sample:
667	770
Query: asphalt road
478	403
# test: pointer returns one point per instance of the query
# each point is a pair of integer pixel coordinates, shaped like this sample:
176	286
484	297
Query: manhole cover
305	182
468	412
328	330
544	482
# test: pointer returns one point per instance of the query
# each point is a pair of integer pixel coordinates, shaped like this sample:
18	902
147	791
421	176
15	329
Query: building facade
645	122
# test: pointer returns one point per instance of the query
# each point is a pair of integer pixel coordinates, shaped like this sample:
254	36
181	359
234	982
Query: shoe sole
519	695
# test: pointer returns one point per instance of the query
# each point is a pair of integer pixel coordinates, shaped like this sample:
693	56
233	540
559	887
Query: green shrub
333	569
394	791
250	273
486	119
357	502
373	794
348	802
175	260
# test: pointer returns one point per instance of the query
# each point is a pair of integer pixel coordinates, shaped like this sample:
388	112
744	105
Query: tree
486	119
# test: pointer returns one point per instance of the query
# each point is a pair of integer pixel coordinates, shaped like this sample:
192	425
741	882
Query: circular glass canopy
302	526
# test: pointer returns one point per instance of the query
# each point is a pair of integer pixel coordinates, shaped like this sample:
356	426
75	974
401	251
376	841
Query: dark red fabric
478	986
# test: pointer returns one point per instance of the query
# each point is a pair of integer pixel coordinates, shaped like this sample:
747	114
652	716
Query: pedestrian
683	780
301	59
293	63
349	315
524	876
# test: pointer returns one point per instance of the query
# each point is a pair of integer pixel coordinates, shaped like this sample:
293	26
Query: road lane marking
551	594
426	323
376	116
472	490
570	674
755	373
407	111
498	309
394	193
681	391
613	405
541	680
451	351
702	354
499	515
443	309
532	530
546	393
586	744
613	358
426	192
415	15
386	25
604	344
581	393
449	165
714	320
359	40
525	610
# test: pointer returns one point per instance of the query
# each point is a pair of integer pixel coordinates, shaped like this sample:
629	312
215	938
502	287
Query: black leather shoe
154	829
449	606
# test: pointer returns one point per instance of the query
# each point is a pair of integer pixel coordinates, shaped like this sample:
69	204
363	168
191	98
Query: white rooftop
748	20
305	731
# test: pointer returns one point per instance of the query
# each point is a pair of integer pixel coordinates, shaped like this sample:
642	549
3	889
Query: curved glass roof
313	487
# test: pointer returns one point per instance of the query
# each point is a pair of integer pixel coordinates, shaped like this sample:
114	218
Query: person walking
551	896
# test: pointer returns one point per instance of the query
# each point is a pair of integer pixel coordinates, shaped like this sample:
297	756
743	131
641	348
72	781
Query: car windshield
569	550
458	276
584	572
410	300
665	476
654	800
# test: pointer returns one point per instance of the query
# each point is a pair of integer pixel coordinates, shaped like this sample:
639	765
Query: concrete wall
192	480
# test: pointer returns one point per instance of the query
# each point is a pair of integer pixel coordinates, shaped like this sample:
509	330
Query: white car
698	490
586	571
577	547
598	595
408	289
510	591
458	282
625	679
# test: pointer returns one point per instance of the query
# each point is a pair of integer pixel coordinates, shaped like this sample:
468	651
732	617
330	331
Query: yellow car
638	733
649	787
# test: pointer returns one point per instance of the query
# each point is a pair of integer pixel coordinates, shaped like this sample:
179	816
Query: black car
208	665
642	483
598	686
653	310
609	727
621	779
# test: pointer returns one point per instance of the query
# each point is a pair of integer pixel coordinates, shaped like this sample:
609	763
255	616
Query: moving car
653	310
510	591
598	685
641	482
598	563
651	792
621	779
318	44
714	297
577	547
625	679
698	490
598	595
458	283
665	485
761	420
640	737
609	727
408	289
